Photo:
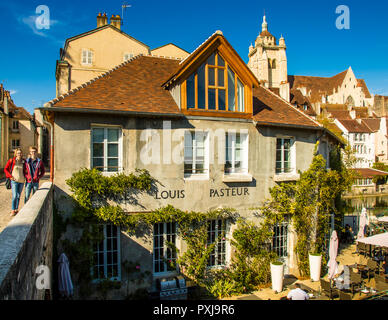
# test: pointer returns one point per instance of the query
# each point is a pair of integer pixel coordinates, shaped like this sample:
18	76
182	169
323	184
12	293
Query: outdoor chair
345	296
328	290
372	268
362	248
356	281
381	286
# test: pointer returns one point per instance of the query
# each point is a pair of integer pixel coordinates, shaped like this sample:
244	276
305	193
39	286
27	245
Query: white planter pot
277	273
315	267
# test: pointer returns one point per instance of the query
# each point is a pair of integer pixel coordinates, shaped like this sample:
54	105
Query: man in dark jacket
35	171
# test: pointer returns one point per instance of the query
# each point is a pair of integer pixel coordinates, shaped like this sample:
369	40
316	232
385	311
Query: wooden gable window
215	87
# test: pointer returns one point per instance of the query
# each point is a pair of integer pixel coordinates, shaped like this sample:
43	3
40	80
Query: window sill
237	177
287	177
196	177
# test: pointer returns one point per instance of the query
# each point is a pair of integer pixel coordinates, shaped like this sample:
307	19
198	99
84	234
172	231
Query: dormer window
215	87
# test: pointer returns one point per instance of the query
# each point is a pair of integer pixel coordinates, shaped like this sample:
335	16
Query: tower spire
264	26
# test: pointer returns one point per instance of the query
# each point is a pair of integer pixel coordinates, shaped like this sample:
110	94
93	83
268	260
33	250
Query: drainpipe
51	146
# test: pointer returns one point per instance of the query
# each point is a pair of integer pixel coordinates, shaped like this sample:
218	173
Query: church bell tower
268	62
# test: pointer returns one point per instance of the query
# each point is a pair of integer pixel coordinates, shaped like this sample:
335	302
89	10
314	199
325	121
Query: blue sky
314	45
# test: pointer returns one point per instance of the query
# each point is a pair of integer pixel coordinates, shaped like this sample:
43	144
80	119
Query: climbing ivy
309	204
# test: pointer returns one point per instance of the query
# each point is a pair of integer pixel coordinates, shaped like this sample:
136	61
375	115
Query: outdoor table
309	291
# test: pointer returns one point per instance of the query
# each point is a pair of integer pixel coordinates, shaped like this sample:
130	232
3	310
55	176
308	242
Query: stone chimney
102	20
116	21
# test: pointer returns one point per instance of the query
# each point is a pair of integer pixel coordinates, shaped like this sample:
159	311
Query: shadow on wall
135	254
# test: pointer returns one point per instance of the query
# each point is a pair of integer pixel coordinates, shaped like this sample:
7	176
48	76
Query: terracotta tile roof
24	113
374	124
343	115
133	86
266	33
297	97
334	107
362	113
370	173
268	108
353	126
319	86
362	84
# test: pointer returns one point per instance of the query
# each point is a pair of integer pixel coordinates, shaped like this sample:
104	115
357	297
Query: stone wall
25	244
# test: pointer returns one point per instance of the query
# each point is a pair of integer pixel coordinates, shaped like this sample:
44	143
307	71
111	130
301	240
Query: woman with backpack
15	170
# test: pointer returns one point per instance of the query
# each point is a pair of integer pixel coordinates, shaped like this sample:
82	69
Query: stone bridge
26	243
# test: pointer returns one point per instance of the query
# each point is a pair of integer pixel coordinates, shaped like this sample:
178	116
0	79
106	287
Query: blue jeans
34	186
17	189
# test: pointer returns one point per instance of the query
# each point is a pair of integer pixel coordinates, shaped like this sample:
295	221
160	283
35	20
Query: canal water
376	206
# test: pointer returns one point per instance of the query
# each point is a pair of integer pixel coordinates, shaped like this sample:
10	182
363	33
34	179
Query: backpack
8	180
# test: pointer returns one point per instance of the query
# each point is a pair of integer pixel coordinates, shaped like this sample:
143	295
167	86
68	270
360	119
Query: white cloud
30	21
12	92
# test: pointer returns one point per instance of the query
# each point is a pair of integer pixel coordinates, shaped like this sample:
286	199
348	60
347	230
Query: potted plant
315	260
277	272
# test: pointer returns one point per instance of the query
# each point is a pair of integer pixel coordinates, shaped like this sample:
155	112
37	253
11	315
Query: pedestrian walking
35	171
15	170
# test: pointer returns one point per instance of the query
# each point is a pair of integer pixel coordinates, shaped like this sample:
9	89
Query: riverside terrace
230	141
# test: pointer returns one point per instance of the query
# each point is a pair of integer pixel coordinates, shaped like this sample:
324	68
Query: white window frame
283	240
195	175
105	254
120	144
244	141
292	155
87	56
165	248
226	242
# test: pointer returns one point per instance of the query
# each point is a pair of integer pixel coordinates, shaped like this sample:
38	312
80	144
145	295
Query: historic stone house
204	128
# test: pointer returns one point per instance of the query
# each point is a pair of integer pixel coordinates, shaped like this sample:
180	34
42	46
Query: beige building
216	142
341	89
380	106
90	54
18	129
6	106
170	50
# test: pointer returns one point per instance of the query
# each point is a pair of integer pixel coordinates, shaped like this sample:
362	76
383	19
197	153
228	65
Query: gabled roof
133	86
353	126
318	85
215	42
170	44
362	112
343	115
374	124
270	109
364	88
97	30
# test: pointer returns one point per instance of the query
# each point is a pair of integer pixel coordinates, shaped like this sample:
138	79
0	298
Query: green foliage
250	266
380	179
309	203
106	285
219	284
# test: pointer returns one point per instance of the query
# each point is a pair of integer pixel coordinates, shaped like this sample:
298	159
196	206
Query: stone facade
173	188
93	53
25	244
